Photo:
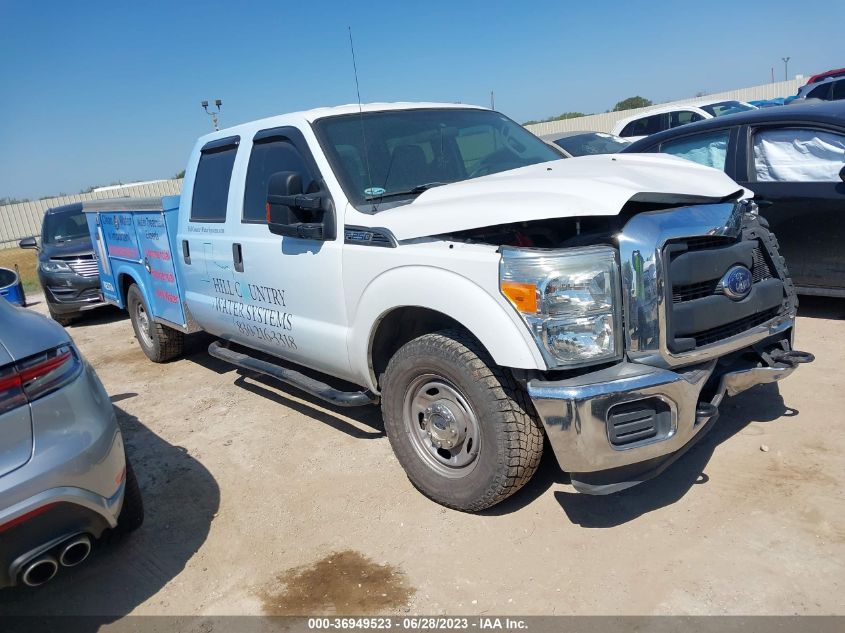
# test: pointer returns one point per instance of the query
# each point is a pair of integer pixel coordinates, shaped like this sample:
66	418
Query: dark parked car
586	143
66	265
793	159
831	89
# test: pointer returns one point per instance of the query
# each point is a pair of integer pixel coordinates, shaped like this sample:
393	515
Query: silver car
64	478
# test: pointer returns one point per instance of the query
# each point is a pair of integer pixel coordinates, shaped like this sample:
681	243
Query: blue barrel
11	287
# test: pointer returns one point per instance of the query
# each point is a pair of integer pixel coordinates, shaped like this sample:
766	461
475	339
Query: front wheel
460	426
159	343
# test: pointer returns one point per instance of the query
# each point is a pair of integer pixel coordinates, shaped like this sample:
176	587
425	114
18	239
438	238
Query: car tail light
37	376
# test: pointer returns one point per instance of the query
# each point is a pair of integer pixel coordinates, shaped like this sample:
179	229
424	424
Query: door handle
238	257
186	252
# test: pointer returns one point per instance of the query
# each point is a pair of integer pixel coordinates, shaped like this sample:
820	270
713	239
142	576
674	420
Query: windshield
408	151
726	107
592	143
64	226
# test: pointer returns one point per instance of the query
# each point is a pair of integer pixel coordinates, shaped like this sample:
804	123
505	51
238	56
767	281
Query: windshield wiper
406	192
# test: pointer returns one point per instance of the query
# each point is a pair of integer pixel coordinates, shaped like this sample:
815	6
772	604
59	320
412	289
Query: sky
98	92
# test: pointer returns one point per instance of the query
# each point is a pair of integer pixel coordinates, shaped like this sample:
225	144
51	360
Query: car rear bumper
620	426
74	480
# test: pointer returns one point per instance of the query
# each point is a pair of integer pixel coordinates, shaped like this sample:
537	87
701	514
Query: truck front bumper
620	426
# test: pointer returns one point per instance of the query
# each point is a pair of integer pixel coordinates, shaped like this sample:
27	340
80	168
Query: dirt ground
261	500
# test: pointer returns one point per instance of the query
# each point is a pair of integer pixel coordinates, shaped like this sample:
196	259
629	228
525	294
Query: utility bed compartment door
163	290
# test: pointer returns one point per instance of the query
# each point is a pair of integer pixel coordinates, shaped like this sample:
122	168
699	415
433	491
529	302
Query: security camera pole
785	67
212	114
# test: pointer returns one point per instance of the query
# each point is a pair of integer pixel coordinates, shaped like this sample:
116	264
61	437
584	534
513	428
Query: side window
838	90
822	92
798	155
645	126
269	156
708	149
211	185
682	117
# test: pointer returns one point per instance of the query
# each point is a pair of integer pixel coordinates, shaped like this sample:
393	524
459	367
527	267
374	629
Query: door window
708	149
268	157
798	155
211	185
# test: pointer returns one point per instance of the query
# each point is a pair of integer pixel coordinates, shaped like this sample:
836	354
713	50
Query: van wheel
160	343
461	427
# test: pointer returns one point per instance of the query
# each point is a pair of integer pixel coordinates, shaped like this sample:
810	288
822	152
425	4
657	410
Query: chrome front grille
675	311
84	266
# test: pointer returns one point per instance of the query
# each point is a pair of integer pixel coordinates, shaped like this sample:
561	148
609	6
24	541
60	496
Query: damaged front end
706	310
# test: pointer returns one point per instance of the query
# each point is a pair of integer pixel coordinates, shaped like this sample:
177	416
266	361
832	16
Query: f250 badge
736	284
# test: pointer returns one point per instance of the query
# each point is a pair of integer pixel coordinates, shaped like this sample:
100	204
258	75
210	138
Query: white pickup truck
441	260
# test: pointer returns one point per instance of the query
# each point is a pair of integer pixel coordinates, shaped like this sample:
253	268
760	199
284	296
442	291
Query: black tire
510	437
131	515
63	319
160	343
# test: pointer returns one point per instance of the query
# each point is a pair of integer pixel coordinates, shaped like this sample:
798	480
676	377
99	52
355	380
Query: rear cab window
211	184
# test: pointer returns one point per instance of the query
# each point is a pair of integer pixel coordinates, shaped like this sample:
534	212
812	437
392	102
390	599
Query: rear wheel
160	343
461	427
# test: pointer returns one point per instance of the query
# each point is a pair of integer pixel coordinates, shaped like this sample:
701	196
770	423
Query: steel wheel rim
442	426
143	321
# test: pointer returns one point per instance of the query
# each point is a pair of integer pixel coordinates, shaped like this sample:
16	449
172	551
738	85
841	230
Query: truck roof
309	116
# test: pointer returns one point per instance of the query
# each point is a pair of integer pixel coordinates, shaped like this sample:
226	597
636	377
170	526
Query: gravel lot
260	500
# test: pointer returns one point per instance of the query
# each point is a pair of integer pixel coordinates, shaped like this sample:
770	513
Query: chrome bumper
575	414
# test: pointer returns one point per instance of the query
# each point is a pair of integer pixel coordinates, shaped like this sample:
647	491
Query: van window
682	117
646	125
268	157
211	185
708	149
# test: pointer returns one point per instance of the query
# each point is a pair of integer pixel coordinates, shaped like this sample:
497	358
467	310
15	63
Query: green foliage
559	117
632	102
181	174
5	201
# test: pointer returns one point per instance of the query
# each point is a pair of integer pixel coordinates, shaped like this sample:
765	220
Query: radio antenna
360	111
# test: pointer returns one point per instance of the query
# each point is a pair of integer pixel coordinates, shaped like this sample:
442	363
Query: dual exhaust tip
70	554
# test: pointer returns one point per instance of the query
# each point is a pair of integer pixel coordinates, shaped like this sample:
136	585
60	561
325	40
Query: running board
291	377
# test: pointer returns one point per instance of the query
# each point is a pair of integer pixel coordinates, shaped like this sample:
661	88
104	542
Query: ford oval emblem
736	284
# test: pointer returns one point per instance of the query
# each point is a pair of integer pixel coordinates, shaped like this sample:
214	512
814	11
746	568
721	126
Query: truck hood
573	187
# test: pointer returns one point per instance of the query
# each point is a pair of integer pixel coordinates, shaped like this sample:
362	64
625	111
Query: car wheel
460	426
159	343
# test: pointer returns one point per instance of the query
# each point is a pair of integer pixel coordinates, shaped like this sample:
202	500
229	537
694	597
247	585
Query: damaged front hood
574	187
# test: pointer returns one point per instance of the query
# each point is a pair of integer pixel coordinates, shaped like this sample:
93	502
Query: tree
559	117
632	102
181	174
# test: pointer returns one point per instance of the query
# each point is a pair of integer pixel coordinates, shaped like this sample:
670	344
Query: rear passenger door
205	252
794	173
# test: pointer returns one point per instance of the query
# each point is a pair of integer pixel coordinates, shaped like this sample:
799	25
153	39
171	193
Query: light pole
212	113
785	67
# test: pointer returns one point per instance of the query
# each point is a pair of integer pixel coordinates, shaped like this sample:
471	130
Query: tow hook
791	357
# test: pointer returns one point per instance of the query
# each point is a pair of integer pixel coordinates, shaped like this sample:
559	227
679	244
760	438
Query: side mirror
295	214
842	173
28	242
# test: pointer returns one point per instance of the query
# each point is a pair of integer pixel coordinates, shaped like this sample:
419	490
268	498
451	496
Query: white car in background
666	117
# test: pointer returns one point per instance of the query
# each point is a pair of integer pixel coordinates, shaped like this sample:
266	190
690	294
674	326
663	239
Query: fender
490	319
127	269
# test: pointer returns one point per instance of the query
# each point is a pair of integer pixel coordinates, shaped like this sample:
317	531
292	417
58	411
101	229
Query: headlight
570	300
55	266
